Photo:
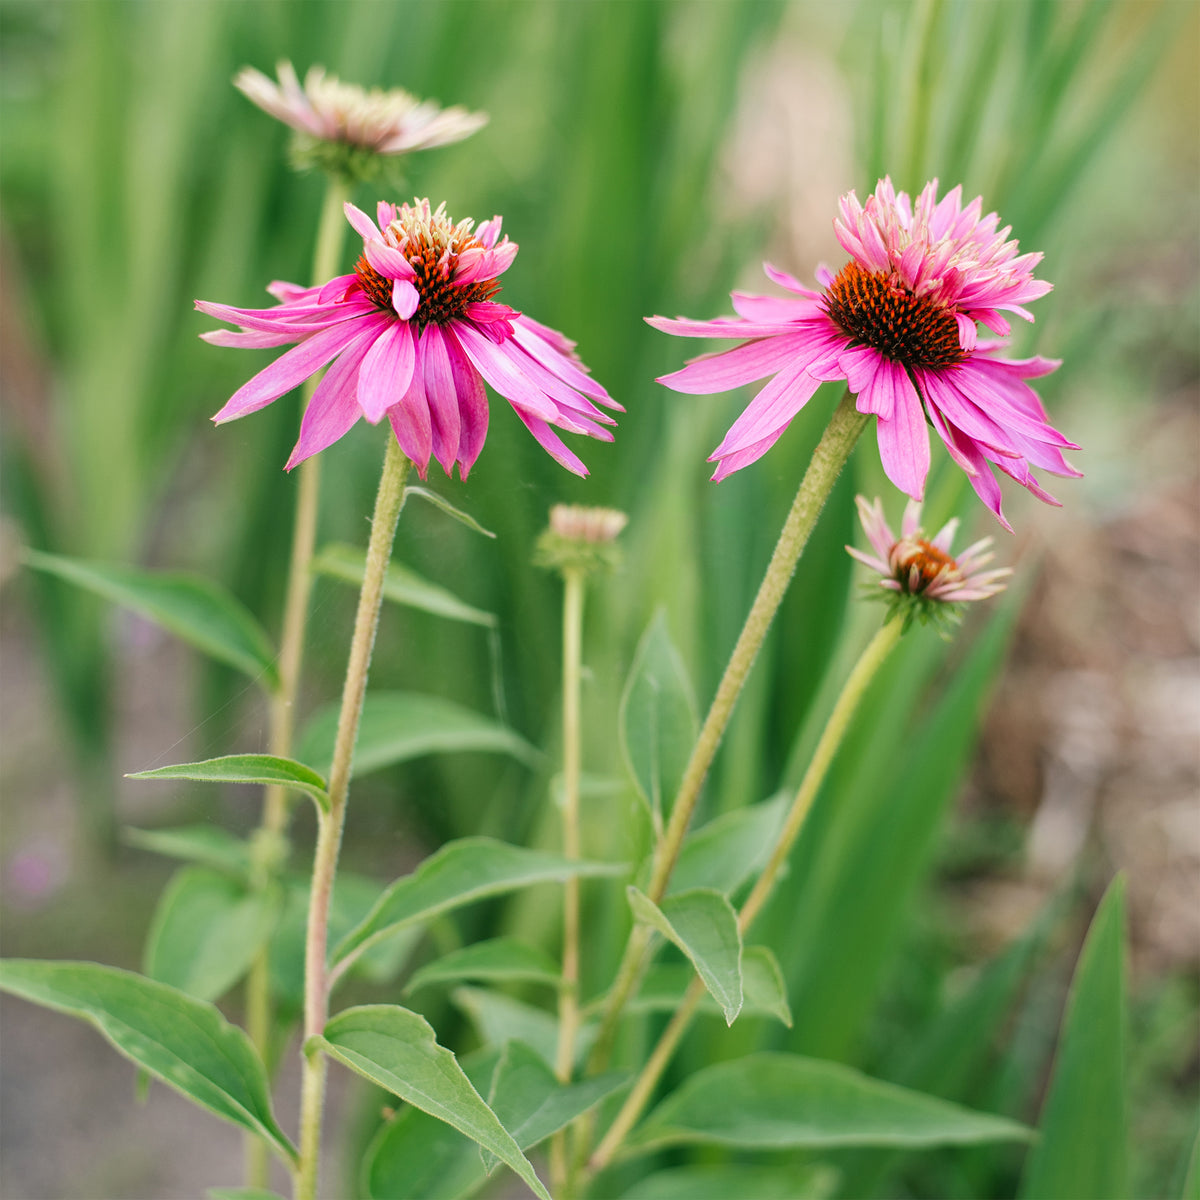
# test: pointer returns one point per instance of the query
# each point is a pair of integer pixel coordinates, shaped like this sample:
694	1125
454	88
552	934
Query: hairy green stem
830	456
568	996
388	504
268	849
869	662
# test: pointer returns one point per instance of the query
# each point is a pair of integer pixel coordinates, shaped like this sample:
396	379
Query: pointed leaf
817	1182
704	926
495	960
182	1041
530	1101
441	502
206	932
460	873
264	769
730	849
763	990
400	585
657	719
398	726
499	1018
207	844
1083	1151
189	606
778	1101
398	1050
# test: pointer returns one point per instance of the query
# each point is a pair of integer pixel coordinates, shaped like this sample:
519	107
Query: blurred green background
646	157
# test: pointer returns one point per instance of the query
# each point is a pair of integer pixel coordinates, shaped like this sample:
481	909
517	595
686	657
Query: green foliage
730	849
764	993
398	1050
775	1101
182	1041
498	1018
744	1182
495	960
207	844
264	769
1084	1147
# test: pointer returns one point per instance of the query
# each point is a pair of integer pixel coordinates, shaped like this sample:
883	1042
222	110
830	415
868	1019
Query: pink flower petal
500	372
386	371
362	224
405	299
472	404
411	424
904	440
742	458
441	397
387	260
552	444
743	364
771	411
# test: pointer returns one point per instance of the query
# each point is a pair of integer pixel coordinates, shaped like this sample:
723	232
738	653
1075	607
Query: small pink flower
415	330
898	323
384	122
919	569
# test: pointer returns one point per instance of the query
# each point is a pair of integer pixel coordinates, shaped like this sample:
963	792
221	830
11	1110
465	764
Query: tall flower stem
869	662
568	997
826	464
329	830
268	849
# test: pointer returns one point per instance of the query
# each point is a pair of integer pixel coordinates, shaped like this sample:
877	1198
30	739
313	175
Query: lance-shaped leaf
657	719
193	608
731	848
264	769
764	993
781	1101
495	960
207	930
182	1041
463	518
398	726
207	844
459	873
398	1050
499	1019
704	926
1084	1147
400	585
531	1102
725	1181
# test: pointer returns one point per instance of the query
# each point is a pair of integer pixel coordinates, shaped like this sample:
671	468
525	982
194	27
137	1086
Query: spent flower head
347	130
413	332
919	576
580	538
898	323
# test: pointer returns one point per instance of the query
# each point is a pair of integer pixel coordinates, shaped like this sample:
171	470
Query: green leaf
242	1193
498	1019
441	502
460	873
397	1050
1083	1151
530	1101
207	844
763	990
206	932
1191	1178
704	926
763	984
400	585
193	608
495	960
182	1041
780	1101
730	849
657	719
264	769
816	1182
398	726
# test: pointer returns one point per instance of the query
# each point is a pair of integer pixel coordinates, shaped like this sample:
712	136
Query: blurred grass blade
817	1182
704	926
207	844
265	769
1191	1176
193	608
400	585
1084	1145
207	930
463	518
781	1101
397	1050
494	960
398	726
182	1041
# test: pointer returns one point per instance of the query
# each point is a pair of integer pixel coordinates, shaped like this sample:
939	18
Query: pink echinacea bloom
898	324
414	332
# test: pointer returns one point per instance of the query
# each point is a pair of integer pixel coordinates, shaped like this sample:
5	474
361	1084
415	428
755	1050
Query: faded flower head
413	332
581	538
923	577
343	128
898	323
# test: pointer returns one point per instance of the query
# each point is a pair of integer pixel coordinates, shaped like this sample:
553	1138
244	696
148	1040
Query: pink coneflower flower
920	572
415	331
327	110
898	323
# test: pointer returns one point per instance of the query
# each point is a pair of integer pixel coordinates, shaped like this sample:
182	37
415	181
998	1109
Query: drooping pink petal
742	458
496	368
472	404
552	444
733	368
247	339
557	355
904	440
386	371
411	423
770	412
441	397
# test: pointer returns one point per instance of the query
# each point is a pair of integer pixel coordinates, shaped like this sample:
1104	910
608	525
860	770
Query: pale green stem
330	824
869	662
267	848
568	996
826	464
